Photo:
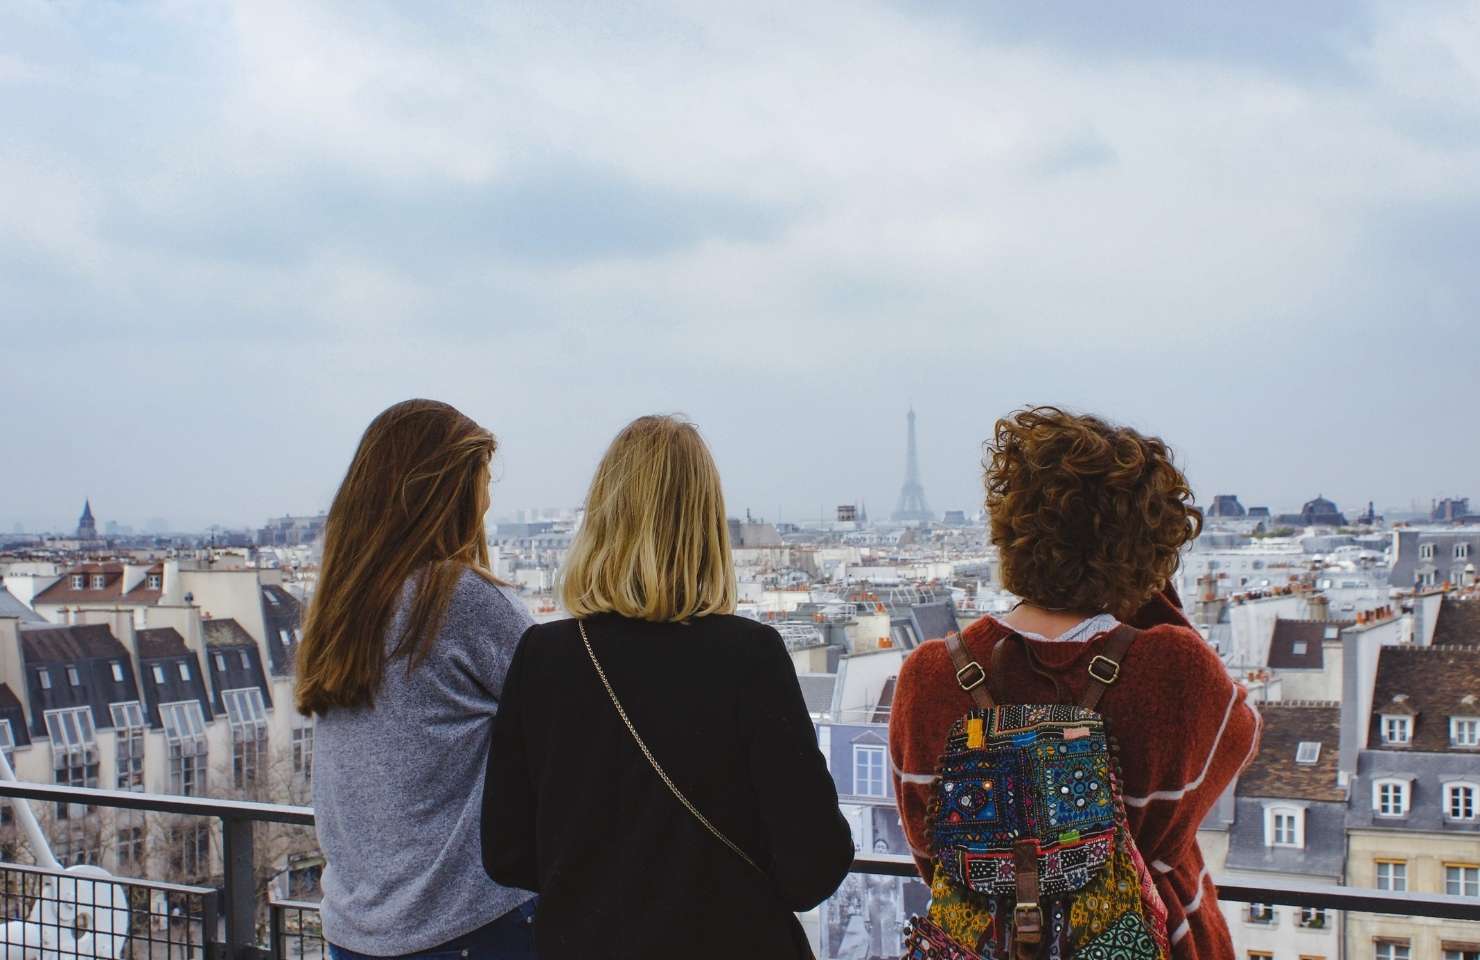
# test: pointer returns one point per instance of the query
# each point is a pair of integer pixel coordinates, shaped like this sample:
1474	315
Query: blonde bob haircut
655	541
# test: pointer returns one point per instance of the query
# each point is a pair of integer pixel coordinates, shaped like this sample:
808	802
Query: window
246	660
1461	880
129	730
1299	647
1260	955
44	675
1309	751
1426	551
74	756
1460	800
184	670
1464	731
117	671
153	581
1333	633
1388	950
248	735
1390	798
78	581
1284	826
1396	728
221	663
868	770
1392	875
158	673
1461	551
1313	918
73	677
285	637
128	846
185	735
303	750
99	581
1284	829
1461	953
190	851
1261	913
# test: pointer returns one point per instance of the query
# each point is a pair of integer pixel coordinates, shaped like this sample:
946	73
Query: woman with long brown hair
654	773
404	655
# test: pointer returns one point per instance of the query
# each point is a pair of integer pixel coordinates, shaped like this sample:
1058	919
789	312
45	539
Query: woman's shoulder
479	600
1176	647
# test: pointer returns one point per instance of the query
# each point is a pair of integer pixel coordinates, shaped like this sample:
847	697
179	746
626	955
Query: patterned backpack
1033	858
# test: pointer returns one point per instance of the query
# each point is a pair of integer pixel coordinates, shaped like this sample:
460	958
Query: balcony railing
166	921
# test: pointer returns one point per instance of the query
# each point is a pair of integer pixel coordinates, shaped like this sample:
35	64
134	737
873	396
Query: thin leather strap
1104	669
1027	914
969	674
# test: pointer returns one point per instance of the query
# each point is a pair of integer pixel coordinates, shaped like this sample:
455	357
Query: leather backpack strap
969	673
1104	669
1027	913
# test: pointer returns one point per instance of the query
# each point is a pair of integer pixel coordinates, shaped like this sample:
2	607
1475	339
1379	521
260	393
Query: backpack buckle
1027	923
1107	674
976	679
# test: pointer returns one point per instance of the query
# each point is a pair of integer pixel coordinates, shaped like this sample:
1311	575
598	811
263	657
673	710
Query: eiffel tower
912	507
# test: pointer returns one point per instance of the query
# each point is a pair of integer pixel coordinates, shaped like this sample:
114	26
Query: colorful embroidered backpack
1033	858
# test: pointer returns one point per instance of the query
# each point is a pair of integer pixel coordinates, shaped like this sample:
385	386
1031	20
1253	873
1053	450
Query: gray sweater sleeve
487	621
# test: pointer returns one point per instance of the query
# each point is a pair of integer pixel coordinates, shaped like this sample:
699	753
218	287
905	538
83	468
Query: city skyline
231	233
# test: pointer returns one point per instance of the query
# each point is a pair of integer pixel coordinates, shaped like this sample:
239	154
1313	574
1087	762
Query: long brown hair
411	506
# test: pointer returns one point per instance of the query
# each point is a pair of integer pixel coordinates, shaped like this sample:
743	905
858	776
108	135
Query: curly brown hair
1086	516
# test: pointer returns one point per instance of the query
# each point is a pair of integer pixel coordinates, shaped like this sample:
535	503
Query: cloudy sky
231	233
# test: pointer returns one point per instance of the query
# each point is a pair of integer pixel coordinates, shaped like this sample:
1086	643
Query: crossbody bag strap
969	673
657	768
1104	669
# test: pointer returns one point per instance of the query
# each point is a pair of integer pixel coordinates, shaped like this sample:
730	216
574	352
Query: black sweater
571	808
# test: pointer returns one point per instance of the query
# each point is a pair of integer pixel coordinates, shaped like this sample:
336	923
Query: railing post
241	889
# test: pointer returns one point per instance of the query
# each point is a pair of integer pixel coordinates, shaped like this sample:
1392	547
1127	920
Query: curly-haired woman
1089	520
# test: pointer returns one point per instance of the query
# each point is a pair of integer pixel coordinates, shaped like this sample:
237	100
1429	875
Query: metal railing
222	925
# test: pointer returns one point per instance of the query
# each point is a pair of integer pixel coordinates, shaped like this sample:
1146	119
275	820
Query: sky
231	233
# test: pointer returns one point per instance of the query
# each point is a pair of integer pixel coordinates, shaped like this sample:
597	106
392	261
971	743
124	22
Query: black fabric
571	809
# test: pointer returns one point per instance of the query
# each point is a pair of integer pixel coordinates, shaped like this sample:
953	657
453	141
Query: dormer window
1461	551
73	677
1308	752
78	581
99	581
1426	551
1284	826
1461	801
1397	729
158	674
153	581
220	663
1464	732
184	670
44	675
1390	798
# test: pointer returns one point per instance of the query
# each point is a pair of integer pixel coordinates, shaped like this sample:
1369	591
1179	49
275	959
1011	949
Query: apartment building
140	686
1413	823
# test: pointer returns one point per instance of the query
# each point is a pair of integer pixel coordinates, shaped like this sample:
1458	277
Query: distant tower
912	507
86	528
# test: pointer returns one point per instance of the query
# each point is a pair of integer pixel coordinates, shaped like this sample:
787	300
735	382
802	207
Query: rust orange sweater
1185	728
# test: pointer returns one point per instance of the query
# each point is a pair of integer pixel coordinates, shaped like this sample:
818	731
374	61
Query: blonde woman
654	774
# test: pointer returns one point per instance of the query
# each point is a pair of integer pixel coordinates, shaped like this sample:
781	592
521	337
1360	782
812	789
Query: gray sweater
397	787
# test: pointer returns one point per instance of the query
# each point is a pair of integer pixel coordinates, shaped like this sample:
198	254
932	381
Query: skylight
1309	751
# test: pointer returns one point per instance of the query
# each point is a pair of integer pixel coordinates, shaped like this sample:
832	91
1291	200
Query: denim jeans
510	937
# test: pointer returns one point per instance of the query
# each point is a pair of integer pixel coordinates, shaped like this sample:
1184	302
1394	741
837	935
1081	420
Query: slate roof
226	632
62	591
935	620
282	615
1285	646
1427	773
161	642
817	690
1274	772
1434	682
10	606
1459	622
1323	855
58	644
